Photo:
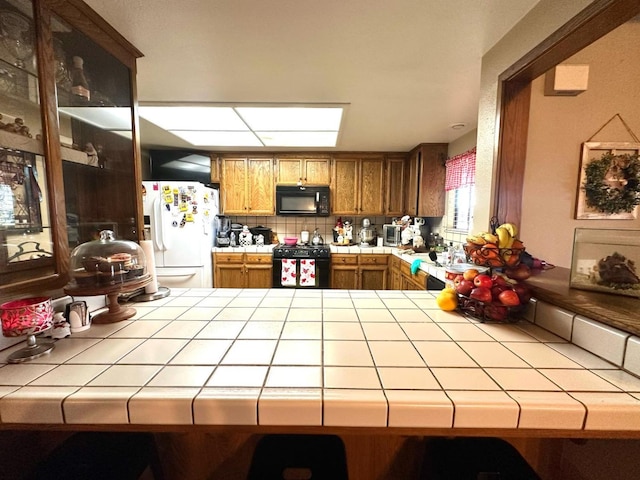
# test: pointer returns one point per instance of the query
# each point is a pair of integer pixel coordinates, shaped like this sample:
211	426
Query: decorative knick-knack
79	84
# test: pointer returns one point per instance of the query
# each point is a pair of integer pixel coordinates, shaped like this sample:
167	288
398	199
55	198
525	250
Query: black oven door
301	272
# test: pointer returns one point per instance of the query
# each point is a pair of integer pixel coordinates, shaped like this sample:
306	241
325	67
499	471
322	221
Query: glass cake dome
107	262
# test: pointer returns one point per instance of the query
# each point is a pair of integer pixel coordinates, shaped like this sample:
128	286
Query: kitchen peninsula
384	363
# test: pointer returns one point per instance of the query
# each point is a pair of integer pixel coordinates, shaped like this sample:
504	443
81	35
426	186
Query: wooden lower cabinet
359	272
242	270
395	275
411	281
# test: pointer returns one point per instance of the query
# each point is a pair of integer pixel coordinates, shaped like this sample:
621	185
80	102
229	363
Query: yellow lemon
447	300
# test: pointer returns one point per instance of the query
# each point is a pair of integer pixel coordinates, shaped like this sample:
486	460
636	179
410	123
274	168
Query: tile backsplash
291	226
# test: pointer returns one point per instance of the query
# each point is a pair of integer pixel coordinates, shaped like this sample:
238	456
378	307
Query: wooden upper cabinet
216	173
431	194
233	186
247	186
394	185
427	163
357	185
410	192
260	187
308	171
345	185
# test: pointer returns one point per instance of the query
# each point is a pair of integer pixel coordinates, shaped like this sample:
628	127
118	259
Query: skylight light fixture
250	125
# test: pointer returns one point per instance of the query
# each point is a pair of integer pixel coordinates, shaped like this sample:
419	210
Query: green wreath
612	184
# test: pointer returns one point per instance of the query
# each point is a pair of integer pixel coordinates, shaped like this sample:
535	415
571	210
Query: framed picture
608	187
20	193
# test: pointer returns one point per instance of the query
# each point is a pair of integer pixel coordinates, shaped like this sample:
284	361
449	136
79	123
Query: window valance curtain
461	170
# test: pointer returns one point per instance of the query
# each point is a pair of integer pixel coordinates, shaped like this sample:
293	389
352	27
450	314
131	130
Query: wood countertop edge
618	311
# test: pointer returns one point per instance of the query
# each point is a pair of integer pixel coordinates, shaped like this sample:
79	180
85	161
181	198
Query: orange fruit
447	300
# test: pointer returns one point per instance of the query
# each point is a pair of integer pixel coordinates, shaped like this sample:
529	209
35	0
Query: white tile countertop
319	358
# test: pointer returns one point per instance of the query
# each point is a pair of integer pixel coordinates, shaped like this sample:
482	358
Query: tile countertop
387	360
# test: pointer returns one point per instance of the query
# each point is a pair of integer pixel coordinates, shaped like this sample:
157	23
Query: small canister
78	316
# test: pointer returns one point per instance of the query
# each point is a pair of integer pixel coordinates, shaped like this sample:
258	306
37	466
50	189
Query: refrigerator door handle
156	224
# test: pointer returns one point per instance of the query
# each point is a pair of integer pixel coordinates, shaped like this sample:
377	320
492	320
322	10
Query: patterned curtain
461	170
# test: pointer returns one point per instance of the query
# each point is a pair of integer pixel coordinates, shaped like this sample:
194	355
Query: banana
489	237
476	240
511	228
505	239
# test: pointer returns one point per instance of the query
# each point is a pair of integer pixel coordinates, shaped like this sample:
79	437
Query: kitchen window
460	188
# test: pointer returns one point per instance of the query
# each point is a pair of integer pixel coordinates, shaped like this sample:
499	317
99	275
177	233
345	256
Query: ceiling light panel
291	118
298	139
218	139
193	118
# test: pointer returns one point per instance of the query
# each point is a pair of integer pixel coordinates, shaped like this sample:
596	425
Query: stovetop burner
301	251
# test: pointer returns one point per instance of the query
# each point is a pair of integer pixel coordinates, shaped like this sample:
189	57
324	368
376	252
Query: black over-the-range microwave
302	200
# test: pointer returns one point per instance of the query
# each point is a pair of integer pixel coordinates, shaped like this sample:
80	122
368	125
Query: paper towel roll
147	248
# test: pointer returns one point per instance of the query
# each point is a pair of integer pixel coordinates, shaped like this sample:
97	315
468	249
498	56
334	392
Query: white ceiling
407	68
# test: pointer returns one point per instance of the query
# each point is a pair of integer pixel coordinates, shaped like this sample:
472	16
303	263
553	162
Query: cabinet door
258	275
431	194
344	277
233	186
29	214
411	183
373	277
260	187
371	187
394	186
344	188
316	171
95	112
289	171
229	275
216	173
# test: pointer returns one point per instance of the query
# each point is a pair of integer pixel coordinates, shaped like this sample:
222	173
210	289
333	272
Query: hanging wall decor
609	185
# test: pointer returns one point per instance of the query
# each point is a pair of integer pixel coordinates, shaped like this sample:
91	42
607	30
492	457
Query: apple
465	287
482	294
496	290
523	292
521	272
483	280
458	278
509	298
498	279
470	274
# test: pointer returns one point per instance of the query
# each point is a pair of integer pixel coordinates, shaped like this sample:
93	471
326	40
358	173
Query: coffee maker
223	231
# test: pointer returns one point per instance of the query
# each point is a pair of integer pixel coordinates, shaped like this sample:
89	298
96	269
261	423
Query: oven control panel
305	252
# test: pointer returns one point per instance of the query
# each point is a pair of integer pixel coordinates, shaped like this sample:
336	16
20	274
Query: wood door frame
514	94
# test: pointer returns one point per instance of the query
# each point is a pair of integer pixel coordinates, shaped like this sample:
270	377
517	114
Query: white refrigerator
178	219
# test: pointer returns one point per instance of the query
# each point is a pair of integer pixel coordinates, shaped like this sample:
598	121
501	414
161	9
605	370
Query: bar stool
299	457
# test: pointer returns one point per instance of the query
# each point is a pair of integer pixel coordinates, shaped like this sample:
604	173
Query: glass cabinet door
95	120
25	224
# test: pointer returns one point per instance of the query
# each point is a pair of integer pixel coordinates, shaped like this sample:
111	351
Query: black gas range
301	266
301	251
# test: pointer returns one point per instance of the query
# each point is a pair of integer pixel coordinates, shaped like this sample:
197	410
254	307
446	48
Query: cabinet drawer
374	259
344	259
261	259
229	257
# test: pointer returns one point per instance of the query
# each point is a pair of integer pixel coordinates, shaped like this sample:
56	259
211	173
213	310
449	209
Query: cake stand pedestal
115	312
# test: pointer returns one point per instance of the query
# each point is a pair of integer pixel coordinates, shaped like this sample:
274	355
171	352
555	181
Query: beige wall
545	18
558	127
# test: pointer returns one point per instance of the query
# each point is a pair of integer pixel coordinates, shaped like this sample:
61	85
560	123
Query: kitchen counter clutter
331	359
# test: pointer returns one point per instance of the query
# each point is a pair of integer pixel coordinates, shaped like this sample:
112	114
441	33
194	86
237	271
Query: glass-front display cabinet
69	156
